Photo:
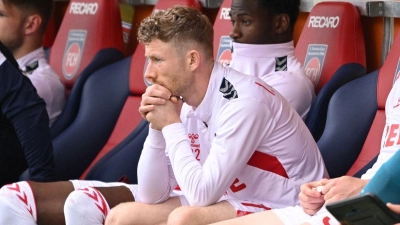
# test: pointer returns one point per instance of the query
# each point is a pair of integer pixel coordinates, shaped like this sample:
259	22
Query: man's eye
233	22
246	22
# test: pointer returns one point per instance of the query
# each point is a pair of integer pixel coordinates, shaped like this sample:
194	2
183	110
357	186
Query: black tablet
365	209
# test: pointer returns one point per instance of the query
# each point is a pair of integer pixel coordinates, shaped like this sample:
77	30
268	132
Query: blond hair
180	24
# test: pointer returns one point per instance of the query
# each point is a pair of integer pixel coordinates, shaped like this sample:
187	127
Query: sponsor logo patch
281	63
82	8
224	55
315	61
324	21
228	90
73	52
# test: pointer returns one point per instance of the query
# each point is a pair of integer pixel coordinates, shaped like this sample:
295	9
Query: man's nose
235	32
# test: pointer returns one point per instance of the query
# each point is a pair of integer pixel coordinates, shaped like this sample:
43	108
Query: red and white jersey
390	142
243	141
46	81
277	65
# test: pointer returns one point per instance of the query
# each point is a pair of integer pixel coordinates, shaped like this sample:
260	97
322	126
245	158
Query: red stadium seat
50	34
87	27
356	118
332	50
89	38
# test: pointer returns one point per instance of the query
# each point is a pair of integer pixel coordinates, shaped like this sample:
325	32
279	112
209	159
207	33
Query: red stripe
240	213
270	91
268	163
256	205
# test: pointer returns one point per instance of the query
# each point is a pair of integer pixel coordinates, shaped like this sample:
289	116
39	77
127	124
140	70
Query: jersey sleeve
294	89
242	124
26	111
155	177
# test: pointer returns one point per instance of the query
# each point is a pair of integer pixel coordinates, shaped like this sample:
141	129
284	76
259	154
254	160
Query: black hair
275	7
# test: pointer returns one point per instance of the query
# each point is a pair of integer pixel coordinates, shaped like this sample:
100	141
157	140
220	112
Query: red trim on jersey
177	188
270	91
256	205
268	163
240	213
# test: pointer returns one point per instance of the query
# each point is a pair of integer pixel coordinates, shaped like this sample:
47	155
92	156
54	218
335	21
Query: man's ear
282	23
32	24
194	59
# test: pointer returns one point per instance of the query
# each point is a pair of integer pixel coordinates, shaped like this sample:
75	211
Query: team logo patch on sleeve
228	90
31	67
281	63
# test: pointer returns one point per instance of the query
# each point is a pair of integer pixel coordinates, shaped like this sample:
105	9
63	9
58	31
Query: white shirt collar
31	57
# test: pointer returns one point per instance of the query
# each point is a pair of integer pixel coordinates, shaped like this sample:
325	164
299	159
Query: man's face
11	26
167	68
251	25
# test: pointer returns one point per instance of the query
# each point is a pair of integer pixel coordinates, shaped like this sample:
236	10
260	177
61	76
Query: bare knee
113	217
182	215
121	214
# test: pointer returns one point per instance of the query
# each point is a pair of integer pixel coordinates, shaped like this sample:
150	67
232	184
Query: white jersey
243	141
46	81
277	65
390	144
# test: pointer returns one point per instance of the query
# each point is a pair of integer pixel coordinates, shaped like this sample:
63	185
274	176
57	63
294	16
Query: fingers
175	99
144	110
158	91
324	181
308	189
394	207
310	199
149	100
154	95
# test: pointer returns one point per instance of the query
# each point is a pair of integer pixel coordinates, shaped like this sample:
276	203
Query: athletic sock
17	204
85	206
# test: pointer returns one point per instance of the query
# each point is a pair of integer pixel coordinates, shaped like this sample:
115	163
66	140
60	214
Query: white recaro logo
81	8
225	14
322	21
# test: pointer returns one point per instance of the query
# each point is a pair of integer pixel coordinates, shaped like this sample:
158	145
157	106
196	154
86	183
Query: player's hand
395	208
342	187
154	95
310	199
166	114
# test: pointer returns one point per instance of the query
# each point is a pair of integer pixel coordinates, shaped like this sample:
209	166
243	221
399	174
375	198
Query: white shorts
242	207
296	215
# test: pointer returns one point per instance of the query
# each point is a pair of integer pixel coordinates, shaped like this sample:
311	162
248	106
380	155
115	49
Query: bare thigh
50	199
116	195
142	214
202	215
261	218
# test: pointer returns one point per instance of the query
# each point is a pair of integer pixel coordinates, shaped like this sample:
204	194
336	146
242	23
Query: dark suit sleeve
26	111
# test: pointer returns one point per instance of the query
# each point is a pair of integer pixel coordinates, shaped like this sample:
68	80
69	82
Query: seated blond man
230	141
